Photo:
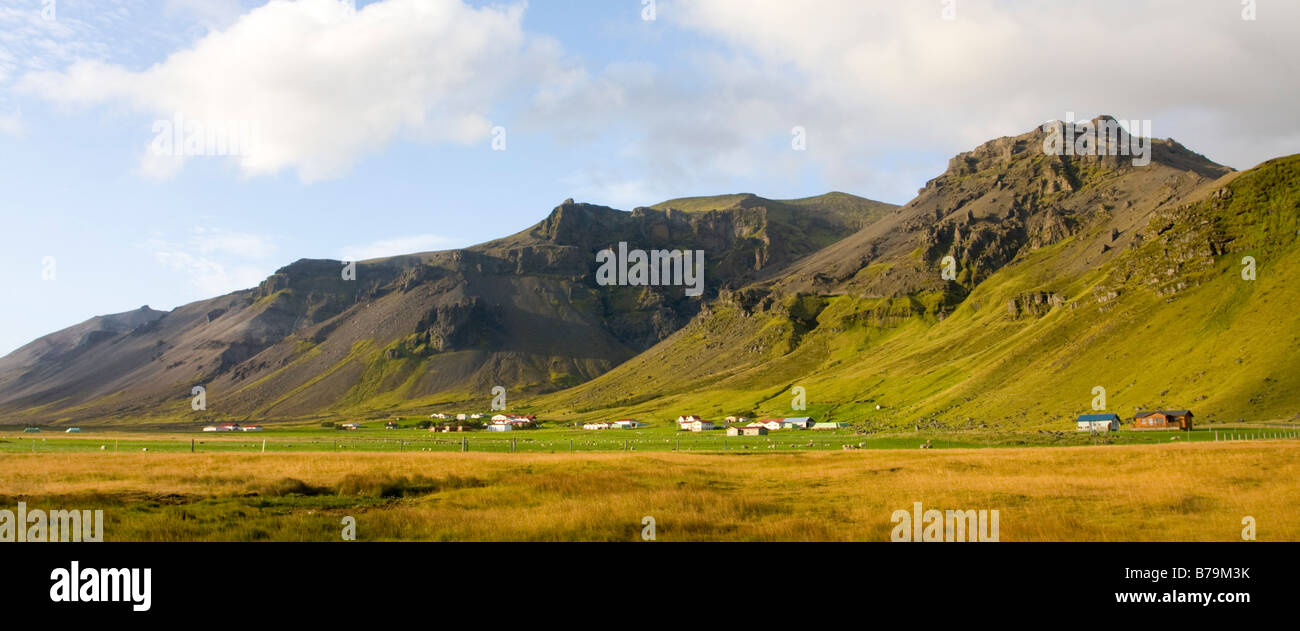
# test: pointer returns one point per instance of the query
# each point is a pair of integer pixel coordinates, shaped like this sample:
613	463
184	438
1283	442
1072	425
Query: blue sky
379	121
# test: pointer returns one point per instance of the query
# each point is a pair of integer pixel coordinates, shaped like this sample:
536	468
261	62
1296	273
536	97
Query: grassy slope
1222	346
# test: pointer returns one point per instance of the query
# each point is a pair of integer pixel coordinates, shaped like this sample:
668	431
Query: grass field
556	440
1176	491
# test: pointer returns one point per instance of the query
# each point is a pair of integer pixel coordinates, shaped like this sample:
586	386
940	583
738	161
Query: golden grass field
1177	492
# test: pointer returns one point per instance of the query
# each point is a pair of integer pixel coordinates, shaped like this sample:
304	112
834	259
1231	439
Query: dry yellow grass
1149	493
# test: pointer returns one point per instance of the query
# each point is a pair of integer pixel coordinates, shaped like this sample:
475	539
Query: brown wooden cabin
1164	419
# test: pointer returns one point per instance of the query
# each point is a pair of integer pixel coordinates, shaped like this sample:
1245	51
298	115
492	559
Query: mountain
1072	273
524	312
1014	286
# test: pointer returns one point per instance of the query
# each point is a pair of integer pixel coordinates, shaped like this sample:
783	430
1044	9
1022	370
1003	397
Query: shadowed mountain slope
524	312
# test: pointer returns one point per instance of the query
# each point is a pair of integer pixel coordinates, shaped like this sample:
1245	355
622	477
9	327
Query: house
251	428
1164	419
500	427
438	415
72	430
626	423
517	421
462	417
514	419
698	426
477	416
390	425
596	426
772	424
735	420
754	430
734	430
1098	423
222	427
825	425
799	422
683	421
350	426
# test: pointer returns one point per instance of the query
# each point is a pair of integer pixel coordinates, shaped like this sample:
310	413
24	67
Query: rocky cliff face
524	312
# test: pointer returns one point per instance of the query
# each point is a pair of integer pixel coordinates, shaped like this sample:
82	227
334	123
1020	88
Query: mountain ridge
522	310
1058	264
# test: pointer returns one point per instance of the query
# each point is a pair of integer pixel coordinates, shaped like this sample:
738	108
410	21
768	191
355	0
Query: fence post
191	445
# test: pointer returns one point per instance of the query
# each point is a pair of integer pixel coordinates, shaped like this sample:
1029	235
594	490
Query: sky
353	130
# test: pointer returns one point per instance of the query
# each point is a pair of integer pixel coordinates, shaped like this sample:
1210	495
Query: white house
1098	423
627	423
698	425
596	425
251	428
500	427
770	424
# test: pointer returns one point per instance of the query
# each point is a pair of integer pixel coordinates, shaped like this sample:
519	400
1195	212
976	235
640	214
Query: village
732	425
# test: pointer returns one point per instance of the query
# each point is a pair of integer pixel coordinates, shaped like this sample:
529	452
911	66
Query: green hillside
1168	322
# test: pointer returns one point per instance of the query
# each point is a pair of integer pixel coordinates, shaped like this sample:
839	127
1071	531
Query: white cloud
326	83
406	244
216	261
894	78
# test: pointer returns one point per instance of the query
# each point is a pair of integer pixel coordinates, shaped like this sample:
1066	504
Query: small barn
754	430
1098	423
1164	419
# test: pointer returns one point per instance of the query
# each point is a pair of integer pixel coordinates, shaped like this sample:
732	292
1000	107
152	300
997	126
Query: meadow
300	490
